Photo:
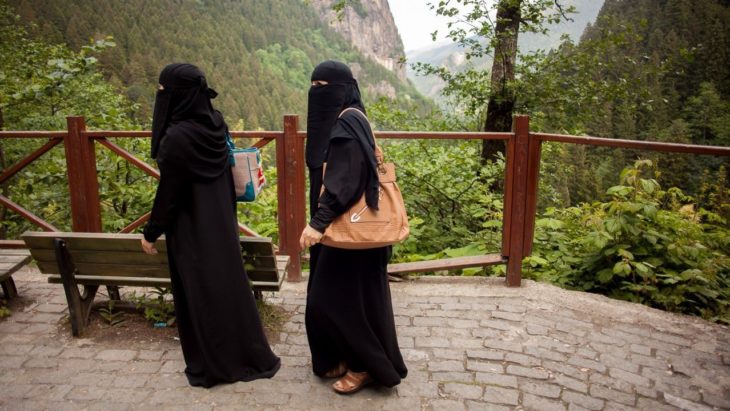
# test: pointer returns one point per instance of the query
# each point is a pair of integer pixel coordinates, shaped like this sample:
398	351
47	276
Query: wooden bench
445	264
11	260
103	259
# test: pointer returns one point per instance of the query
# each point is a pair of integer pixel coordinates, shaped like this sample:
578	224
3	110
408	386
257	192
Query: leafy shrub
644	245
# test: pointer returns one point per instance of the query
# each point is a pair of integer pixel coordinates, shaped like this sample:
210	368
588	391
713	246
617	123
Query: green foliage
41	84
112	318
644	245
4	310
257	55
158	306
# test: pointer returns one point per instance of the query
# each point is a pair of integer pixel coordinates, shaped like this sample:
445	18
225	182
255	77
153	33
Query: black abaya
349	315
220	331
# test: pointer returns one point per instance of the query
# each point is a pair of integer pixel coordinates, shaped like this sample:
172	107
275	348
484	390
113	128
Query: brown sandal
352	382
337	372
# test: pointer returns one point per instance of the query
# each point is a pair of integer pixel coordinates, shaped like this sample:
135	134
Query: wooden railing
520	185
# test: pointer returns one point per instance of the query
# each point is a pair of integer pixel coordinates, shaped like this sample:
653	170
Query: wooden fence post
291	186
516	191
83	184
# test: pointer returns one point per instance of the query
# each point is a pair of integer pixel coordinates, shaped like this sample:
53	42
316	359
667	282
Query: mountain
369	26
257	54
452	55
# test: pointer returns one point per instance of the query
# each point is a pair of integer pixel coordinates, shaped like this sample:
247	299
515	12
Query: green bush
644	245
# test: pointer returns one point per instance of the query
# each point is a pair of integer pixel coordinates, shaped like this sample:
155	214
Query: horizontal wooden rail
15	244
452	135
33	134
636	144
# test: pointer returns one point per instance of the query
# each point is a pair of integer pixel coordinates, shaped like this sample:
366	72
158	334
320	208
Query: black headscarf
187	132
325	104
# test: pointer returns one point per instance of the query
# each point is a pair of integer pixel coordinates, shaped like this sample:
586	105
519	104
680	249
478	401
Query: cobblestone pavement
470	344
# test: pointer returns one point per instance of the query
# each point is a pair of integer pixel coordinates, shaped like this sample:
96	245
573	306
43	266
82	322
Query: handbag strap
379	157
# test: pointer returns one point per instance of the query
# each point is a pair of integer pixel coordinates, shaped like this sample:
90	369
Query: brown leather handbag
362	227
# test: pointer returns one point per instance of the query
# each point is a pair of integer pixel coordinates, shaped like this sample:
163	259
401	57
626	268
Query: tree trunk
502	95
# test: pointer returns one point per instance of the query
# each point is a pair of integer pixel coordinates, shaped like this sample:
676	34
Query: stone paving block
569	370
616	384
447	354
529	372
45	351
543	353
497	395
117	355
12	361
537	403
452	376
497	355
18	391
173	366
447	405
571	383
498	324
426	342
541	389
402	404
76	352
629	377
175	396
684	403
612	361
446	365
600	391
51	308
522	359
586	363
462	391
721	402
15	349
414	331
514	346
408	388
406	342
501	380
641	349
671	339
41	362
85	393
130	381
485	366
411	355
614	350
484	406
150	355
485	333
49	392
509	316
431	322
534	329
126	395
176	380
451	332
466	343
582	400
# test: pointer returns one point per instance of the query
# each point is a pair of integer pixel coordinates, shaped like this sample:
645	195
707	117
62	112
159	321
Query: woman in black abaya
220	331
349	315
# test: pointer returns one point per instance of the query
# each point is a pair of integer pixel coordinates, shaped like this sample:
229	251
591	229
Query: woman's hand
309	237
148	247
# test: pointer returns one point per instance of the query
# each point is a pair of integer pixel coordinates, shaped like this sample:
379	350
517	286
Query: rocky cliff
369	26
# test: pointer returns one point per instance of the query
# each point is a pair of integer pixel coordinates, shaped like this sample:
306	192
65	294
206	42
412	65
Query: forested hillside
257	54
647	69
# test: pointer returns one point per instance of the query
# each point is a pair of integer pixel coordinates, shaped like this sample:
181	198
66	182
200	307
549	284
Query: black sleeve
169	191
344	181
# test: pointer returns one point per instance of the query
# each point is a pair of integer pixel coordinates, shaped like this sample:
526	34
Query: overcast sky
416	21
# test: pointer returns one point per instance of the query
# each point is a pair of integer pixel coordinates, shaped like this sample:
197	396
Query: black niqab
325	104
187	132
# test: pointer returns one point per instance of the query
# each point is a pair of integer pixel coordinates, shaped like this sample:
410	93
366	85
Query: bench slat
446	264
152	282
110	270
101	257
